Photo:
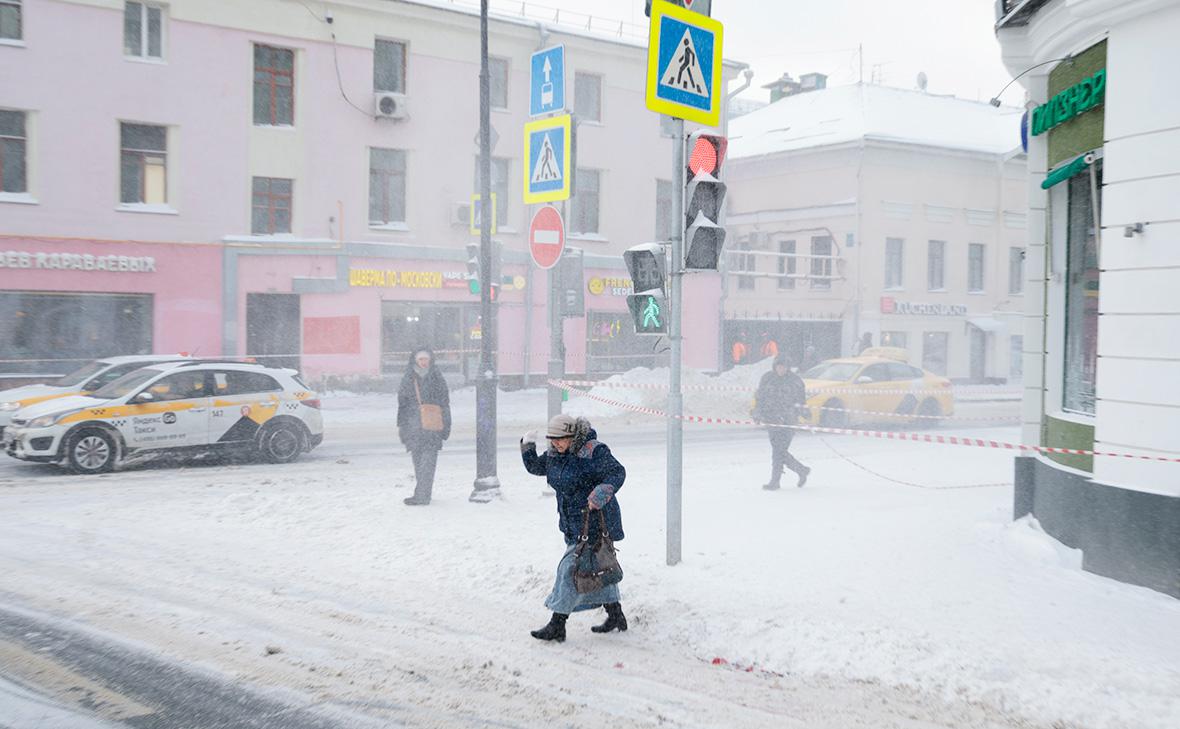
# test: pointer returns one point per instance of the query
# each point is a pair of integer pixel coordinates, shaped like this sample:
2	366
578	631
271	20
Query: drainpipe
723	265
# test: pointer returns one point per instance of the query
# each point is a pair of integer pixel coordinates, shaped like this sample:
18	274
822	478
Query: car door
171	412
873	393
242	403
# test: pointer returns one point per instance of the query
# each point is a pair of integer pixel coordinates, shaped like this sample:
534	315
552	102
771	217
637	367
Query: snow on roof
843	114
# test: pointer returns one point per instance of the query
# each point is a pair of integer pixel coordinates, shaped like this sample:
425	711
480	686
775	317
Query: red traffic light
706	152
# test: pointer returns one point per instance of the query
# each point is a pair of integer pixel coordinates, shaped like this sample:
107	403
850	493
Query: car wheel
91	451
833	417
281	443
907	406
930	412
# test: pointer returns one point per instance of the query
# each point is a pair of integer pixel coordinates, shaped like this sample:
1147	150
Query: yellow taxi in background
875	387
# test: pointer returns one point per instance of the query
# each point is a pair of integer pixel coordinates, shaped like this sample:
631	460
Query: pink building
241	146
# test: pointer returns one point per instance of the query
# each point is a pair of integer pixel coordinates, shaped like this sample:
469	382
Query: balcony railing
1012	13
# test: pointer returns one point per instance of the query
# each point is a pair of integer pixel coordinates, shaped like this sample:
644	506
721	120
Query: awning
1061	174
986	324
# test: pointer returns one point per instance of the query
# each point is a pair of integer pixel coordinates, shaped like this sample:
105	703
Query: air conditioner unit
461	214
390	105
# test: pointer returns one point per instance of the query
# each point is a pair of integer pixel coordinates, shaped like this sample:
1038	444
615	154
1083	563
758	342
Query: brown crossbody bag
430	414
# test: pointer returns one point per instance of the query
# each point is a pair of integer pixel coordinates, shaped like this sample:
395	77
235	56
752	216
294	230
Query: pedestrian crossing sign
684	64
548	149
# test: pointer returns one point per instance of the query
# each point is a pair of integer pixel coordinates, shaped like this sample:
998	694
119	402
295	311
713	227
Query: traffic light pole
487	483
675	398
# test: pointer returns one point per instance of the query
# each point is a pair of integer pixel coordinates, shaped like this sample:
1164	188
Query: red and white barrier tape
885	434
832	390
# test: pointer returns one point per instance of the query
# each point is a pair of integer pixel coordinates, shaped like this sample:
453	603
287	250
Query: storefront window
934	351
613	346
1081	292
452	331
55	333
893	339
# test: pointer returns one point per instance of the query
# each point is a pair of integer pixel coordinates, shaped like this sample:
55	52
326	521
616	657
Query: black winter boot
555	630
615	619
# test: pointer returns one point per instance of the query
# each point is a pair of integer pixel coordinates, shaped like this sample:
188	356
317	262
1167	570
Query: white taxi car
84	380
172	407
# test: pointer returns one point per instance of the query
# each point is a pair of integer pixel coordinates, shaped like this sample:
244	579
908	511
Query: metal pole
556	330
487	484
675	398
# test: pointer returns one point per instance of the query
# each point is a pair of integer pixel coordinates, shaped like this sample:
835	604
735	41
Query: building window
664	202
893	262
498	82
144	170
821	262
746	263
14	147
588	97
274	86
10	20
1081	293
975	268
585	203
894	339
499	186
271	206
1015	357
786	264
936	265
934	347
1016	270
143	30
389	66
387	186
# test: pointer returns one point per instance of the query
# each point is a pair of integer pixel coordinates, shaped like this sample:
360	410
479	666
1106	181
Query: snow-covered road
857	601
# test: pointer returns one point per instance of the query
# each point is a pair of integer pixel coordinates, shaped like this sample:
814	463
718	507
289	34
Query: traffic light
704	195
704	7
571	283
473	283
645	263
649	312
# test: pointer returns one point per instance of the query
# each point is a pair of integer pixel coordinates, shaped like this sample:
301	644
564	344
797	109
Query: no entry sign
546	237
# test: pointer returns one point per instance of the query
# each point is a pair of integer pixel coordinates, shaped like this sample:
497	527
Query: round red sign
546	237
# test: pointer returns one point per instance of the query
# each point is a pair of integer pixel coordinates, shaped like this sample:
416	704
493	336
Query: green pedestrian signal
649	312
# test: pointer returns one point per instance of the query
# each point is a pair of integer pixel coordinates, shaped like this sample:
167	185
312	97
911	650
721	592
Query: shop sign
890	305
1075	100
610	286
77	262
395	279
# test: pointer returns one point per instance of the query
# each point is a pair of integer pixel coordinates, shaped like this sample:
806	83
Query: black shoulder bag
597	566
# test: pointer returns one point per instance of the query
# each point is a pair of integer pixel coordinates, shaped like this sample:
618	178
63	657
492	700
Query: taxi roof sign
684	64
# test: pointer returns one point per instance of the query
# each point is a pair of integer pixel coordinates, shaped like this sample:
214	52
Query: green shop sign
1075	100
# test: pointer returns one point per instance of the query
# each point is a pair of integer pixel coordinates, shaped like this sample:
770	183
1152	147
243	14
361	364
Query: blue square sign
686	64
547	81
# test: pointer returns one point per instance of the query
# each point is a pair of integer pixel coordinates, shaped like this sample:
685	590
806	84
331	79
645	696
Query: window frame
274	73
578	109
19	38
271	207
145	30
821	268
973	271
747	264
385	176
507	65
788	264
1080	397
142	154
500	187
583	192
931	258
894	263
403	76
23	142
945	339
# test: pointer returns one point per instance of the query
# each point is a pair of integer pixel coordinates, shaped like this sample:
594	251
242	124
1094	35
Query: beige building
868	209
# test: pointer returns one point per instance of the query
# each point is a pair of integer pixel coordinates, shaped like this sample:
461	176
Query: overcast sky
953	41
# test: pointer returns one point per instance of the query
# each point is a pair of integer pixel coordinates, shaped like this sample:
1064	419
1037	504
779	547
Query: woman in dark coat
422	384
586	477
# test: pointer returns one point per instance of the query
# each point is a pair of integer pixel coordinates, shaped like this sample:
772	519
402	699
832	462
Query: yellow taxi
876	386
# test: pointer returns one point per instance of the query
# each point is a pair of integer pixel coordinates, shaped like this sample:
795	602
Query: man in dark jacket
781	395
420	432
586	477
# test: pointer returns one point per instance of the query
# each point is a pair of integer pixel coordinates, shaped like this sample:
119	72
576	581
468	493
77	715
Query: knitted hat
560	426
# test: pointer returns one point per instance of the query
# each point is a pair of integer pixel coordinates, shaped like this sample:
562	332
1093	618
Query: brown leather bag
597	566
430	414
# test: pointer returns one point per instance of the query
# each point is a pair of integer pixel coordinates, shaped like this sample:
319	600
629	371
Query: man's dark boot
555	630
615	619
803	476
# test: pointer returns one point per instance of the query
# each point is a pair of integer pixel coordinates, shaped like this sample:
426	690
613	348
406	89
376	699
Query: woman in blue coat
585	476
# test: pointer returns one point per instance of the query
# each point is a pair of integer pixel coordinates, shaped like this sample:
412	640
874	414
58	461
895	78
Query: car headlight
9	406
47	420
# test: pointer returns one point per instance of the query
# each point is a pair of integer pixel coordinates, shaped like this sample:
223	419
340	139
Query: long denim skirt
566	599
